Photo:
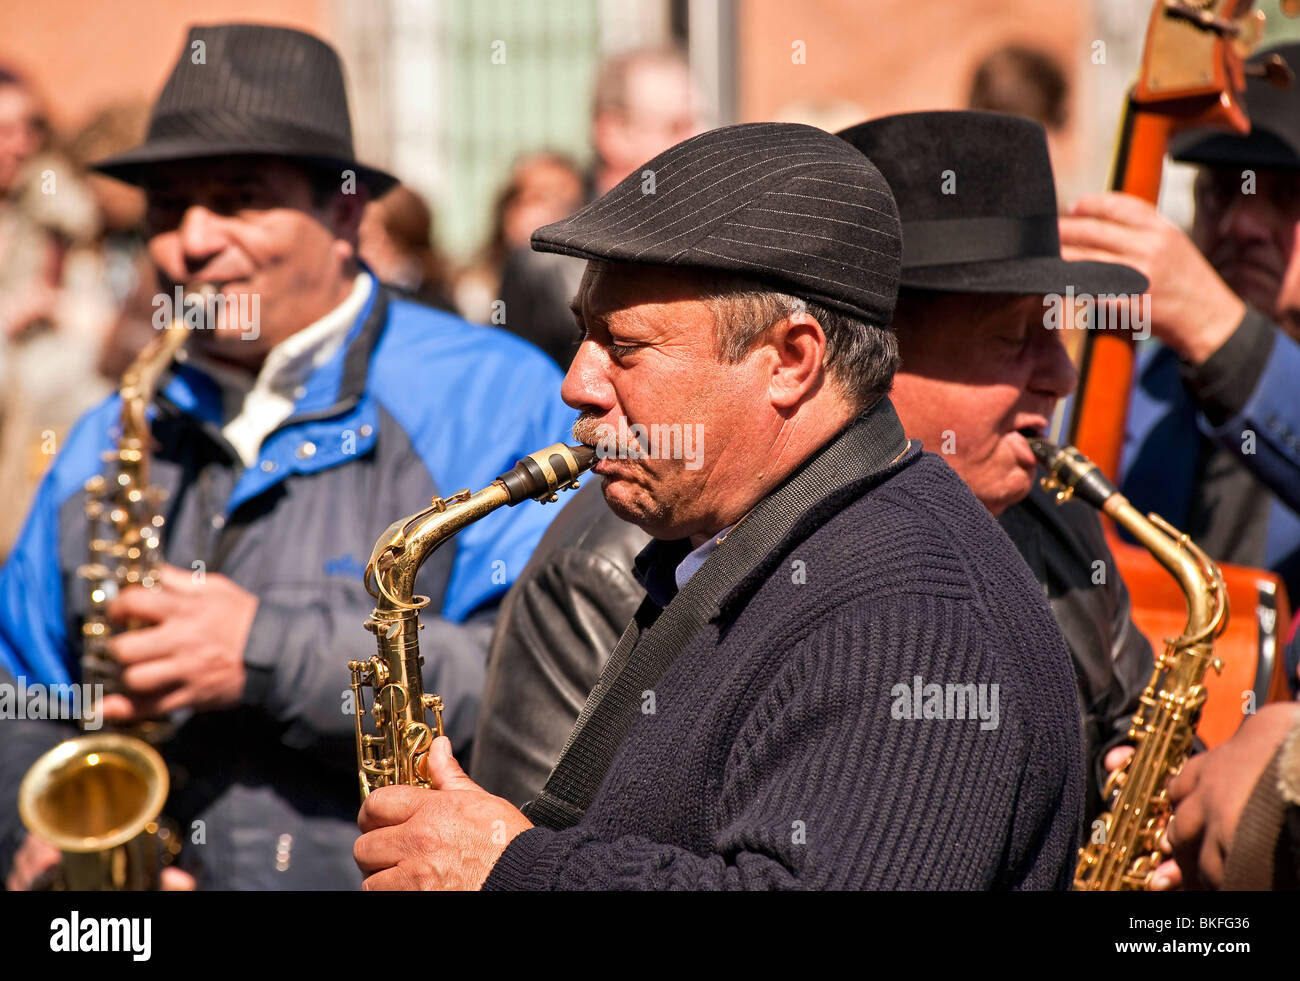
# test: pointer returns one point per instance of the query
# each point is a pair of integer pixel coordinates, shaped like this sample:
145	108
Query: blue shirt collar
663	567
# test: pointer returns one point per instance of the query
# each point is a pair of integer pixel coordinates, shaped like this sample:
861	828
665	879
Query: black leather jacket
565	614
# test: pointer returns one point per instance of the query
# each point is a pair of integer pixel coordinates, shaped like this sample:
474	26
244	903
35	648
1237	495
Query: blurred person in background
396	242
645	101
541	187
116	280
53	310
1024	81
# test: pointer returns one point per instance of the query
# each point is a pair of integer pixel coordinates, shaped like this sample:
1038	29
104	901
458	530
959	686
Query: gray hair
861	358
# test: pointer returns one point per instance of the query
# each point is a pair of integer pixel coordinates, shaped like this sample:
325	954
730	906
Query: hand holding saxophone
186	648
1210	792
445	836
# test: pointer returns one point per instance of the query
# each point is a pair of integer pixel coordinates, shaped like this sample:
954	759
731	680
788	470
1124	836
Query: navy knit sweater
779	752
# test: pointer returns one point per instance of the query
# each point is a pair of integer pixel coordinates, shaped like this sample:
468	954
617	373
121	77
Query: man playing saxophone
775	714
980	372
311	408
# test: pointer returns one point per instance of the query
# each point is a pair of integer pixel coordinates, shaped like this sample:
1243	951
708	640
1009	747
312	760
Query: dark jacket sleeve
1065	548
1265	851
303	637
24	740
557	628
875	793
1246	393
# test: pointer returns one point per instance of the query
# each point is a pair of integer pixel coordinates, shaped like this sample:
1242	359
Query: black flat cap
250	89
1274	137
781	203
978	205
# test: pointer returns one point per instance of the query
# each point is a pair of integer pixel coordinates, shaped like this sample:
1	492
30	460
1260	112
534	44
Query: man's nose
1248	217
201	236
586	386
1054	372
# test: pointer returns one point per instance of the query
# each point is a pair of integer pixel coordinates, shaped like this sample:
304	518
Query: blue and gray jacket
416	403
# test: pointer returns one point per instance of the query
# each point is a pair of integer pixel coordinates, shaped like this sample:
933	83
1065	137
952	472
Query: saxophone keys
434	704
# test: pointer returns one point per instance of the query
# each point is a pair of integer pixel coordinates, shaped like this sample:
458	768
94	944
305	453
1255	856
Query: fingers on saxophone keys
138	603
1167	876
389	806
141	645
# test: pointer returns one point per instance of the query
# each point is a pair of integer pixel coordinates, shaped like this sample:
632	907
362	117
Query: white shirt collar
254	406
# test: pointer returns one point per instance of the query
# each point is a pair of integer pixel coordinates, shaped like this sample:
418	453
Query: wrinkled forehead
962	317
610	288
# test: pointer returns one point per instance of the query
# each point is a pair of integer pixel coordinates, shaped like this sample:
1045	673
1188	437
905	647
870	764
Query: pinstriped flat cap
250	89
787	205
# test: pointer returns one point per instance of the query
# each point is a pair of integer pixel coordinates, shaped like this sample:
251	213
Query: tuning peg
1273	69
1250	31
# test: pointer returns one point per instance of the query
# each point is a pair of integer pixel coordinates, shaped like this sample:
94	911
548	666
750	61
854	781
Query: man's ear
798	347
345	211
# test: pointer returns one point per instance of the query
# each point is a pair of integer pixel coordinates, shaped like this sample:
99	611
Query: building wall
86	54
886	56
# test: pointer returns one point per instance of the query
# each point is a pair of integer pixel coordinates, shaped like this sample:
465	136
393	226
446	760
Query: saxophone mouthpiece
540	475
1070	473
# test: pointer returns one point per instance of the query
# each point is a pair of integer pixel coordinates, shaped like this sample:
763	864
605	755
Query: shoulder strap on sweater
654	638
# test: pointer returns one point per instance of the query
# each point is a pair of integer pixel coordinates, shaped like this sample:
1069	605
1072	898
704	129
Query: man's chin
1258	289
632	503
1009	492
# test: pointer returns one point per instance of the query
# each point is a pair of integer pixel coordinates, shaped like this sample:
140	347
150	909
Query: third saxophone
1126	853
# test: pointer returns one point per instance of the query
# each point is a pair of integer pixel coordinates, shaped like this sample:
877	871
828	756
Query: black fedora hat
978	205
1274	137
250	89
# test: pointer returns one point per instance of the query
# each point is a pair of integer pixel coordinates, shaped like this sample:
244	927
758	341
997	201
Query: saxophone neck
400	551
1071	474
138	386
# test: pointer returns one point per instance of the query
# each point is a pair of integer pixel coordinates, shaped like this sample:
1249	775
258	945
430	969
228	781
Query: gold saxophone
97	797
395	754
1164	725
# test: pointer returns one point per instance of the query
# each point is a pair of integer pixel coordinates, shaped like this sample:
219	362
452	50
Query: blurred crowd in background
76	286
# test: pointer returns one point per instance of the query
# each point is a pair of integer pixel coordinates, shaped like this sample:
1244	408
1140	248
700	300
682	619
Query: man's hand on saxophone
1210	793
36	860
189	652
1167	875
448	837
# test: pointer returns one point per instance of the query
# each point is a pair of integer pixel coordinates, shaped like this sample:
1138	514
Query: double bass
1193	75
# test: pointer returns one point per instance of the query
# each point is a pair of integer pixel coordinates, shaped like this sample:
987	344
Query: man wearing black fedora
311	409
982	370
842	675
